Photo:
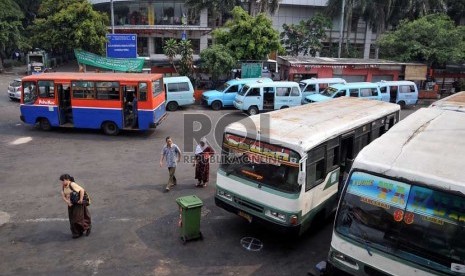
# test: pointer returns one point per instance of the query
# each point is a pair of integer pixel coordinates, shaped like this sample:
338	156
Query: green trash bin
189	217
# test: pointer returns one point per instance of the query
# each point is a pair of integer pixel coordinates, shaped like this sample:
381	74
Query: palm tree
217	8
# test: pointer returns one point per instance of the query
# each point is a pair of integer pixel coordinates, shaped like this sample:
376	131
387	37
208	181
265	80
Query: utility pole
112	12
341	30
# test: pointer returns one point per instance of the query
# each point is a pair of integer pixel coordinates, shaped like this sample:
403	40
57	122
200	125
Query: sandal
199	184
204	185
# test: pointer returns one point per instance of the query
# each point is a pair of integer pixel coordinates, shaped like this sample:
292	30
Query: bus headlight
239	102
225	195
275	215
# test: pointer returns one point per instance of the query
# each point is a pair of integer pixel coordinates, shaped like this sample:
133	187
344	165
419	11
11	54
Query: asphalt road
135	223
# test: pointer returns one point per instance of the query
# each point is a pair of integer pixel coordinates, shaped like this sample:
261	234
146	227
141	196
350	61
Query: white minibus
284	168
179	92
317	85
403	93
256	97
402	210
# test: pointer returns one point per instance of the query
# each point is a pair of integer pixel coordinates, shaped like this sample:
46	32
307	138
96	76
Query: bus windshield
265	164
412	222
243	90
329	91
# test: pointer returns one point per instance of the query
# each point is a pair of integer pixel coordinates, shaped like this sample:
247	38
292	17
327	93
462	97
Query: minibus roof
303	127
175	79
427	147
402	82
354	85
323	80
65	76
273	84
248	80
454	102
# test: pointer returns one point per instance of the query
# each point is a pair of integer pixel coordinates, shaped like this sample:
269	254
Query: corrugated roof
343	61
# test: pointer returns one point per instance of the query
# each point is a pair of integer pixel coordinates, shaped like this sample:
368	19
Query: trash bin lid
188	202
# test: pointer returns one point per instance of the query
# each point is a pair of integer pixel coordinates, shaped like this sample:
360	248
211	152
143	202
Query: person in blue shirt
172	154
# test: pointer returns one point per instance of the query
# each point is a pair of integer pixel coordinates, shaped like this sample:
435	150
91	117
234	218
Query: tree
79	27
217	60
10	28
184	48
456	10
260	6
305	37
170	50
432	39
217	8
247	37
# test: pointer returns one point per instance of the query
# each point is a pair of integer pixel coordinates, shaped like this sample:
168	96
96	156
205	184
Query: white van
179	91
255	97
403	93
315	86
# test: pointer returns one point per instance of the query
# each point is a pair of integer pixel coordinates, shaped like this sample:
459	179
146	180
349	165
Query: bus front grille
248	204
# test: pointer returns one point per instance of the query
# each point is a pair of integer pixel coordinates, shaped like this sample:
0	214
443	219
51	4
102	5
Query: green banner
117	64
251	70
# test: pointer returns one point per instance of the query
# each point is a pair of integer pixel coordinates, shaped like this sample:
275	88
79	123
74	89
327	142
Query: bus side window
253	92
377	129
295	92
361	138
353	92
46	89
332	154
316	171
142	91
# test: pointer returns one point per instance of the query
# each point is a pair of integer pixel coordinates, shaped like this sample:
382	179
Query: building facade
154	22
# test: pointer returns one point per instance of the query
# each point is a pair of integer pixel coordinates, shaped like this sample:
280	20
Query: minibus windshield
329	91
223	87
262	163
414	223
243	90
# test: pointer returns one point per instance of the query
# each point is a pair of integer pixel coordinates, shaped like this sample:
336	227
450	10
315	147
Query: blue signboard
122	45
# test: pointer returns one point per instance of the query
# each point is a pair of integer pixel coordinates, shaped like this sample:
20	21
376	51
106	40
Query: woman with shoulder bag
78	213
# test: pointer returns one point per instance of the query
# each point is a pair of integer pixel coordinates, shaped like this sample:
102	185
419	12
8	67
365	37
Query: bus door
129	106
254	97
64	104
347	156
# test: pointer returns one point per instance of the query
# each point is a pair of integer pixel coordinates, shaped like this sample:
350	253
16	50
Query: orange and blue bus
107	101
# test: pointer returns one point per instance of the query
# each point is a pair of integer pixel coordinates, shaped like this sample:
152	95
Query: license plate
245	215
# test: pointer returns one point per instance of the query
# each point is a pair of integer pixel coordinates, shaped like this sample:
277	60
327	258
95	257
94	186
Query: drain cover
251	244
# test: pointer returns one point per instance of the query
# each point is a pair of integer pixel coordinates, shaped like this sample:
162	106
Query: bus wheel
172	106
44	124
402	104
216	105
110	128
282	107
253	110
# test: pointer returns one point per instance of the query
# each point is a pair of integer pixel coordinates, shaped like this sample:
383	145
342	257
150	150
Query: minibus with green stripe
402	211
284	168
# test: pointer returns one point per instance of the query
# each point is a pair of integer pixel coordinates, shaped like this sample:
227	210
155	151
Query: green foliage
184	49
306	36
10	26
433	39
79	27
247	37
217	60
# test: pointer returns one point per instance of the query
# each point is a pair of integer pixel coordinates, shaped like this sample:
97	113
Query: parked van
316	86
402	93
224	95
255	97
179	92
366	90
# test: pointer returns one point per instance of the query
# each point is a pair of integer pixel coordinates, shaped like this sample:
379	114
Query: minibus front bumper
293	230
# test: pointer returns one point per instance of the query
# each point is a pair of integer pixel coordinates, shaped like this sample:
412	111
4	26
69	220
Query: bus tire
402	104
44	124
216	105
283	107
172	106
253	110
110	128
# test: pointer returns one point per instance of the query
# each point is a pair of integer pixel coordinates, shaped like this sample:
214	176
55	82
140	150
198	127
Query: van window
142	91
368	92
83	89
310	88
254	92
295	92
178	87
268	89
340	93
46	89
107	90
283	91
406	89
353	92
383	89
233	89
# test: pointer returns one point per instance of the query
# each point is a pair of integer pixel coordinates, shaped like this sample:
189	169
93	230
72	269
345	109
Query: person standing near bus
202	162
172	154
78	214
